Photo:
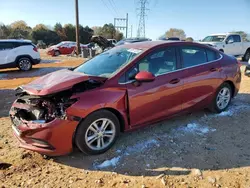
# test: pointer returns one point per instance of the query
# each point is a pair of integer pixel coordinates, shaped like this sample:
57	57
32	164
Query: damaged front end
38	120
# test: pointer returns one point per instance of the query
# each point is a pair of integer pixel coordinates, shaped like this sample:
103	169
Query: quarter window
192	56
212	55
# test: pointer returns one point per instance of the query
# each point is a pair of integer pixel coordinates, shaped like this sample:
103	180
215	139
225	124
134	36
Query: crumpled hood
56	81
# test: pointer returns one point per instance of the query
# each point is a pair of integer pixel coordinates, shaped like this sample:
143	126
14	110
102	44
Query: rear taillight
35	49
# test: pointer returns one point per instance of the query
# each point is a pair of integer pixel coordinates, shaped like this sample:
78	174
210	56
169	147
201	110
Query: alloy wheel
100	134
25	64
223	98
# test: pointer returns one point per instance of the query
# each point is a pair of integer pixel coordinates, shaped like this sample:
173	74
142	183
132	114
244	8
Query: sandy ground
196	150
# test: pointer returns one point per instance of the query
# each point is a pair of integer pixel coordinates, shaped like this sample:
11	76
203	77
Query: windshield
215	38
109	62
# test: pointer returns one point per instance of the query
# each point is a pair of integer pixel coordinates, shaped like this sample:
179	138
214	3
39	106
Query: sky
198	18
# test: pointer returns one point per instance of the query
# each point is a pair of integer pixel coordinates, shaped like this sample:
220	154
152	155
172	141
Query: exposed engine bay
43	109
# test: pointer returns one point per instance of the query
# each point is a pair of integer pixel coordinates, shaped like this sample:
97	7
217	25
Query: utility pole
127	25
122	24
77	29
141	26
131	31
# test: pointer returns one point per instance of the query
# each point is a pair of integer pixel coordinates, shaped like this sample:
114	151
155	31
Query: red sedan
64	48
127	87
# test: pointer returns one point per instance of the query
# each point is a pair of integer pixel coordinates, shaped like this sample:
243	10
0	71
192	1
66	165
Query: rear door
149	101
202	75
5	50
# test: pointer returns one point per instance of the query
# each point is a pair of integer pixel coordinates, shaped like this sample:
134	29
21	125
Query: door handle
175	81
213	69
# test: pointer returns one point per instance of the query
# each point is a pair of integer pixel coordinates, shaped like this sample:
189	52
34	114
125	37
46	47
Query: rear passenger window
212	55
6	45
192	56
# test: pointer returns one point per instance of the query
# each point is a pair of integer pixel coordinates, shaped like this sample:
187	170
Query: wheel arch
23	56
231	85
112	110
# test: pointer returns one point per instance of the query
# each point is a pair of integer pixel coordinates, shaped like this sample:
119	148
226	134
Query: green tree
5	31
108	31
70	32
20	29
85	34
60	32
174	32
42	32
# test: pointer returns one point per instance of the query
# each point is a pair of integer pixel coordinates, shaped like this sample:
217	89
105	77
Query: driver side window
158	62
230	38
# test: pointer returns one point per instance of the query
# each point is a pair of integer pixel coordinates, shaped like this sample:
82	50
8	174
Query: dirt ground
196	150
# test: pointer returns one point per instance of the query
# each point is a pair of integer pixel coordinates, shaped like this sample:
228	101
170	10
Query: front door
231	47
150	101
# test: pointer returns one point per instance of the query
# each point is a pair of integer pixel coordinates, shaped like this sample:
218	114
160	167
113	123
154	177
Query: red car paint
136	105
55	82
64	48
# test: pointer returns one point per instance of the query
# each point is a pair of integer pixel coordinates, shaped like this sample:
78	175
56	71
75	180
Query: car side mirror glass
230	41
145	76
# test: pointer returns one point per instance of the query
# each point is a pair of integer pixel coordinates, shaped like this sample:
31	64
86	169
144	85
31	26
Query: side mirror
229	42
145	76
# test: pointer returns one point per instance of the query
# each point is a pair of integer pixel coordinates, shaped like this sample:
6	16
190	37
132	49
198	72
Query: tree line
56	34
180	33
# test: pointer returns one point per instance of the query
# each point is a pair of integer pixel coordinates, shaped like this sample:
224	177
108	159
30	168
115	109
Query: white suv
18	53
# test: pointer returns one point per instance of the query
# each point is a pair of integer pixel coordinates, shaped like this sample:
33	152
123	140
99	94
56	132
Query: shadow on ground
200	140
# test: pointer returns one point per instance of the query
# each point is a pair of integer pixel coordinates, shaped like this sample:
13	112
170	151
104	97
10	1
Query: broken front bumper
54	138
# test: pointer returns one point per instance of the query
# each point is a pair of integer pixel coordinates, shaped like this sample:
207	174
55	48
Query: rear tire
24	64
97	133
246	57
222	98
57	53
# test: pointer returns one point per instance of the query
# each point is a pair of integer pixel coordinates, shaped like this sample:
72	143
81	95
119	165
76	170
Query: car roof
151	44
14	40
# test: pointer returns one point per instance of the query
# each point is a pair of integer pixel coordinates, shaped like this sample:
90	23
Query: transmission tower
142	14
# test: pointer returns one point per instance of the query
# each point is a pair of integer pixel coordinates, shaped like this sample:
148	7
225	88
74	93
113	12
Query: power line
112	3
141	25
108	7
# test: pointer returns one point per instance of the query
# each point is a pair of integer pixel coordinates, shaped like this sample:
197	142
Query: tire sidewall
27	59
84	125
216	108
247	54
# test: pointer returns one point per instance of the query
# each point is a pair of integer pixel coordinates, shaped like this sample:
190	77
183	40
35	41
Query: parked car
132	40
122	89
18	53
229	43
64	48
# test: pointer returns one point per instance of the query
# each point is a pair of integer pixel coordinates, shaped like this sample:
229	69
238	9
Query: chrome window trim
221	56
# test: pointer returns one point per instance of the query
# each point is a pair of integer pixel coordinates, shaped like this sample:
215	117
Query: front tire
24	64
97	133
222	98
246	57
